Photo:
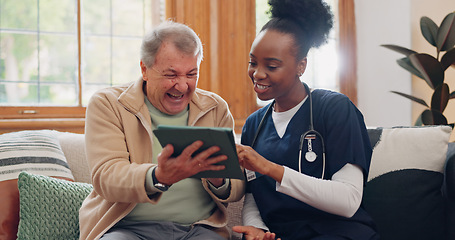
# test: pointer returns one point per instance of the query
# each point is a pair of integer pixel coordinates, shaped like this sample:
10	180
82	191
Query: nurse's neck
280	109
283	106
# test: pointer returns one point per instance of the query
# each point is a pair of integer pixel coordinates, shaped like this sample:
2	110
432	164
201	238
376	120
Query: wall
382	22
394	22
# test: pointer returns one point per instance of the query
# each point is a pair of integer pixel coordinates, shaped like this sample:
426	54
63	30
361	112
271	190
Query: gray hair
182	36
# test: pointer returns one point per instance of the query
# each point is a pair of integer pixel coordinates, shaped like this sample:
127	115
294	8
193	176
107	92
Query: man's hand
252	233
171	170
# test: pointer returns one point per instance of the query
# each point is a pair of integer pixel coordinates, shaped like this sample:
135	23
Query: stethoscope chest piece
310	156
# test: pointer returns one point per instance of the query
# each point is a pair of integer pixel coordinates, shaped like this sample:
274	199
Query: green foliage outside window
39	48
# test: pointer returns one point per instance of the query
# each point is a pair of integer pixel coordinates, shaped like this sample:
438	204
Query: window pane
128	19
58	58
18	66
21	14
28	94
96	17
18	56
38	52
96	64
58	15
322	68
17	93
126	60
262	17
62	94
58	70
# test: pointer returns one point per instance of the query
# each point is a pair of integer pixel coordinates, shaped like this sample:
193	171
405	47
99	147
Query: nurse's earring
301	67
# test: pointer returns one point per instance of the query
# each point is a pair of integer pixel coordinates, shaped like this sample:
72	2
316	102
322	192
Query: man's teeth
175	95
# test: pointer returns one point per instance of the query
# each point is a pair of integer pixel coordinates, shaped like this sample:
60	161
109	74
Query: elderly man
140	190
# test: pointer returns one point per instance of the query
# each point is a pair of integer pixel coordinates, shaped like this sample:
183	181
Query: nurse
314	193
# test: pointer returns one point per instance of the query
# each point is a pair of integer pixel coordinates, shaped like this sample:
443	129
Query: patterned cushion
49	207
403	193
34	151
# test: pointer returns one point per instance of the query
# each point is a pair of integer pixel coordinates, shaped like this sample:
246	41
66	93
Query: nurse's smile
260	88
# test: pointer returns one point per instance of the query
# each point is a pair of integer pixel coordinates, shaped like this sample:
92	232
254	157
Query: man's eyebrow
175	71
171	70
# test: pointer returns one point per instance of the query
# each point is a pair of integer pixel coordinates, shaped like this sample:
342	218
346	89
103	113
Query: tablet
182	136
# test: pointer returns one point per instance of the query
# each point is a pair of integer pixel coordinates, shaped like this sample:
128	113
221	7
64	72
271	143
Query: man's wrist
158	185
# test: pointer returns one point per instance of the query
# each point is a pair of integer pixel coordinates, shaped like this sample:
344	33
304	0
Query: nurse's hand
171	170
251	160
252	233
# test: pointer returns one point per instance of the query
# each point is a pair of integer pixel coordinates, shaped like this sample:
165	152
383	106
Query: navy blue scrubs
346	141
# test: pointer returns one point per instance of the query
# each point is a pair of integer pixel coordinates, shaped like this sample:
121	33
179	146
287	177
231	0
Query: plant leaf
446	33
419	120
440	98
448	59
452	95
406	64
433	117
399	49
429	30
417	100
430	68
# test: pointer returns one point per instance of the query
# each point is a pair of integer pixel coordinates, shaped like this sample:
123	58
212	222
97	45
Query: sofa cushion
34	151
49	207
403	193
73	146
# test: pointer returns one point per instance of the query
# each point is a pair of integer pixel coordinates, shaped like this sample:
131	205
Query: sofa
410	191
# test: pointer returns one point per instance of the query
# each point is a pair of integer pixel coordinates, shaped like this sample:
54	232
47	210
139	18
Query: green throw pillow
49	207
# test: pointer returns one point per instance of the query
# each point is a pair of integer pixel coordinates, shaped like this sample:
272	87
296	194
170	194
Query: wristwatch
157	184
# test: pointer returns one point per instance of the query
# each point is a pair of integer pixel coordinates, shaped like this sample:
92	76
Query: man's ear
301	67
144	71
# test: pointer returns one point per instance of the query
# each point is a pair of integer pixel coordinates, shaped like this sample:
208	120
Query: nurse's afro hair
309	21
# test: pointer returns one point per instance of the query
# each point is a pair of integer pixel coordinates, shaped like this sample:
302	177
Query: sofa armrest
449	191
449	174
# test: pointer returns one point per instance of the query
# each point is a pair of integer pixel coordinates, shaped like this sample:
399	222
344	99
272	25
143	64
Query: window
322	68
58	52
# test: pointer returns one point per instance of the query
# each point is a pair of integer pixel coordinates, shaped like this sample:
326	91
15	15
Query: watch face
161	187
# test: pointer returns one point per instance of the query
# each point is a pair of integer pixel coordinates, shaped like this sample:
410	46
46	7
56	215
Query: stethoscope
309	135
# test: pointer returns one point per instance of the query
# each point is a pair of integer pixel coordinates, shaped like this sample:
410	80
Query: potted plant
431	69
